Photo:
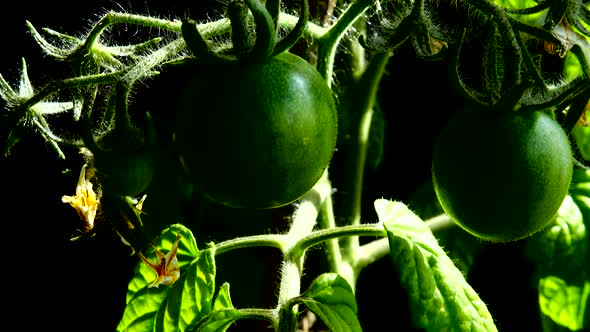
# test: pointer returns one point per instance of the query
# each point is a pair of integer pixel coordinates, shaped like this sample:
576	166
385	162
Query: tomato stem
265	32
327	221
274	10
258	314
143	68
360	100
267	240
328	43
122	119
297	31
311	30
454	75
242	33
576	110
582	60
324	235
304	221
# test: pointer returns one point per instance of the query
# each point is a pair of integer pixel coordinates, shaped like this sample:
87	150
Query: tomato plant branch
304	220
206	29
297	31
267	240
562	96
142	68
113	17
265	30
366	87
440	223
311	30
56	86
327	221
258	314
360	99
290	287
320	236
582	60
70	83
328	43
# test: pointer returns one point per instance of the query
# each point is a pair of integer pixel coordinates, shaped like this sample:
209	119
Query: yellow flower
166	267
85	201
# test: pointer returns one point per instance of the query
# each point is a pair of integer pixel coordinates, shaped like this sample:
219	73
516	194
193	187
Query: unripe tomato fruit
256	135
124	165
125	174
502	176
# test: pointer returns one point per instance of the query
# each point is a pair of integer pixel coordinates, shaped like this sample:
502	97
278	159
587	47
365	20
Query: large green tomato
256	135
502	175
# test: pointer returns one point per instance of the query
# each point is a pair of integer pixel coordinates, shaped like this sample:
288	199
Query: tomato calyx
250	45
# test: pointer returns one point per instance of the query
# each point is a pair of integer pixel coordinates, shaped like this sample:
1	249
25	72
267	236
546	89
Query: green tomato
256	135
502	176
124	164
125	174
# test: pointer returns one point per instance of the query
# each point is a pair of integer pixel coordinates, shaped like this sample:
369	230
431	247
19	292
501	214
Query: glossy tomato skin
256	135
502	175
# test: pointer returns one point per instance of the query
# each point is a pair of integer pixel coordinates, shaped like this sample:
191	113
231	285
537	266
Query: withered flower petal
85	201
166	266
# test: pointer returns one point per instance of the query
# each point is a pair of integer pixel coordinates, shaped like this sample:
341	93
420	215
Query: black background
50	282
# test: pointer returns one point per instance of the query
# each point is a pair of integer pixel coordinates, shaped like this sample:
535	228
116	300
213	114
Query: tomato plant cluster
264	129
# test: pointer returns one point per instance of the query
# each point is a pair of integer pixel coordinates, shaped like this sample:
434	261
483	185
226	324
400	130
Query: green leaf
143	303
563	303
32	115
140	313
561	254
25	88
191	297
7	93
14	136
219	321
560	249
46	46
330	297
223	300
222	315
440	297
